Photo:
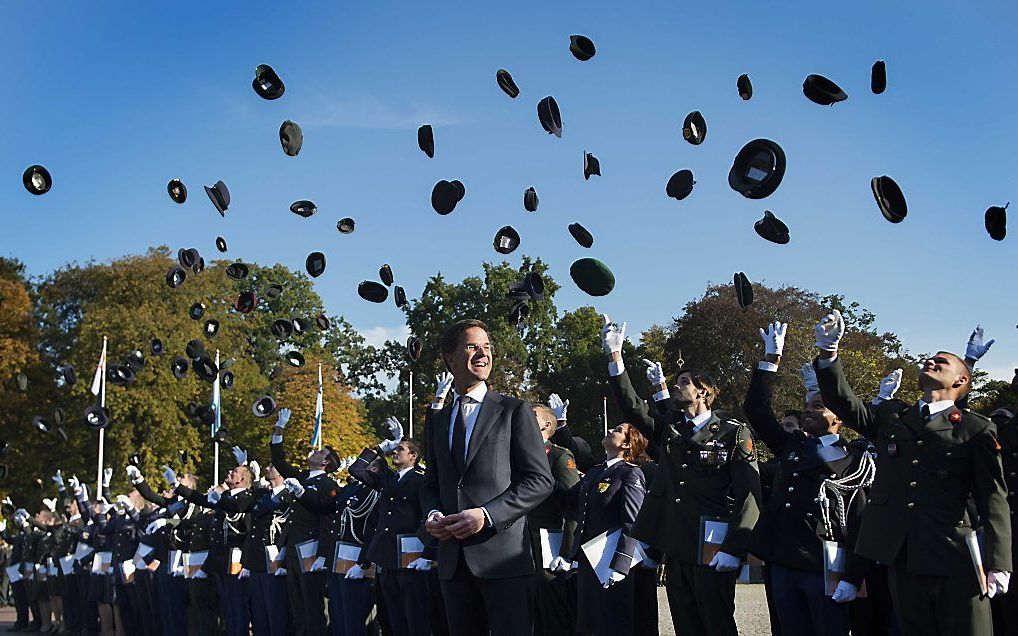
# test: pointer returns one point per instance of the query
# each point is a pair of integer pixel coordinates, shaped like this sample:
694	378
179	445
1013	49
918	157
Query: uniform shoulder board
419	470
632	464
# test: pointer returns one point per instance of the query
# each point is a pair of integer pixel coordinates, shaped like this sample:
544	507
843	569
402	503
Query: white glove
355	572
888	386
74	484
244	573
83	488
655	374
240	455
395	428
558	564
829	331
774	338
443	382
155	525
58	479
170	476
51	504
282	418
976	348
107	475
213	496
614	578
997	582
134	475
20	516
809	380
256	470
280	571
558	407
318	565
420	564
844	593
3	525
388	445
612	335
123	503
724	562
293	485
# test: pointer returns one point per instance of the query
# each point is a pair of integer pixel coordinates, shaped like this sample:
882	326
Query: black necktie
925	411
459	438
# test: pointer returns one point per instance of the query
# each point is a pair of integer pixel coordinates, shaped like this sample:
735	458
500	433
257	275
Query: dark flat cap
315	264
820	90
322	322
135	360
581	47
772	229
40	423
413	348
996	221
758	169
518	313
226	380
890	198
581	235
301	325
743	290
205	368
303	208
37	179
461	190
506	83
219	194
156	347
694	128
175	277
346	225
591	165
399	296
211	328
426	140
274	290
592	276
385	274
291	137
196	311
295	358
194	349
507	239
680	185
534	284
237	271
246	302
530	200
745	86
444	197
177	190
267	83
221	244
549	116
878	77
70	377
372	291
188	257
263	406
281	328
179	367
97	417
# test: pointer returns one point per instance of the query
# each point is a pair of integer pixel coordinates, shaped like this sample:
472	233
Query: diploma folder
835	559
712	535
410	547
193	564
551	546
601	550
346	557
274	558
307	552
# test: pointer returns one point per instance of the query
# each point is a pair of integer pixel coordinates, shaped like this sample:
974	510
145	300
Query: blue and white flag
316	436
216	402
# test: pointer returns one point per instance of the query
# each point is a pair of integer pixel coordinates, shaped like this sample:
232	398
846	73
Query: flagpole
411	405
217	422
102	431
604	402
321	433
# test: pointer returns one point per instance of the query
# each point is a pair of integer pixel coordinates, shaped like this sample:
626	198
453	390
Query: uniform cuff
823	363
487	518
661	395
277	439
763	365
616	368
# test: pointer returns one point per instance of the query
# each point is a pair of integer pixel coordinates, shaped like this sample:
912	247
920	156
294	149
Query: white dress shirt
700	420
403	471
936	407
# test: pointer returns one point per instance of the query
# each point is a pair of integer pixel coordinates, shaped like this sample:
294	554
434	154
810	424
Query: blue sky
118	100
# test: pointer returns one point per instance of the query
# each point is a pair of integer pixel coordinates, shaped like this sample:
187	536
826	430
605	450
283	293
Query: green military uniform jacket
711	473
926	473
548	514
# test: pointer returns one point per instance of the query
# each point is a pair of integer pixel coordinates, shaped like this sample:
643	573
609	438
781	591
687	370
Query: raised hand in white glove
318	565
997	582
293	485
3	525
558	407
20	516
655	374
107	476
724	562
58	479
51	504
809	380
443	382
395	428
388	445
283	417
134	475
888	386
844	593
774	338
829	331
170	476
420	564
976	348
213	496
75	485
255	468
155	525
240	455
614	578
612	335
123	503
355	572
558	564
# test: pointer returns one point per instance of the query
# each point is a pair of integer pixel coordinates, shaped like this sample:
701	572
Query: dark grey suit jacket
506	473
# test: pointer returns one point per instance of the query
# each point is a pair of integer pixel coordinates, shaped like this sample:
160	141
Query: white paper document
601	549
551	546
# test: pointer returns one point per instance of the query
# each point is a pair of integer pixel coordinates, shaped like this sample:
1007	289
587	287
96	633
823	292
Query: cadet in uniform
1005	606
932	457
707	471
265	592
351	594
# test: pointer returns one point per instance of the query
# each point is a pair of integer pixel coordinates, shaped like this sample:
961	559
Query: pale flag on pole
316	436
216	402
100	370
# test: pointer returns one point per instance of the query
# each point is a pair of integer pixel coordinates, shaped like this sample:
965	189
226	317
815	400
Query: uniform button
791	488
386	529
919	443
678	500
1011	474
915	462
682	483
788	505
911	505
795	474
912	484
685	465
389	512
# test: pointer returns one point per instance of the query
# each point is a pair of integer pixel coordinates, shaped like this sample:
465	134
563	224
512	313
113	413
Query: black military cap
58	416
246	302
758	169
220	196
745	86
346	225
206	369
890	198
303	208
694	128
21	380
372	291
199	263
274	290
301	325
291	137
592	276
444	197
385	273
322	322
518	313
534	284
120	375
413	348
295	358
134	459
426	140
175	277
581	47
194	349
211	328
743	290
221	244
530	200
184	457
507	239
680	184
37	180
506	83
70	377
580	233
179	367
996	221
237	271
591	165
205	415
282	328
517	292
315	264
549	116
135	360
40	423
266	83
226	379
772	228
97	417
177	190
399	296
187	257
156	347
196	311
878	77
820	90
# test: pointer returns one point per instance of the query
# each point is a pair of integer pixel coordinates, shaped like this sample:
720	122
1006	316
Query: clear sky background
118	98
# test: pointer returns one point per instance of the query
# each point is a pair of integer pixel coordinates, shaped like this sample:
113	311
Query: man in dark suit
315	495
486	469
932	459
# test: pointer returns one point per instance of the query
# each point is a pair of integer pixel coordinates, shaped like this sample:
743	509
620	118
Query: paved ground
750	612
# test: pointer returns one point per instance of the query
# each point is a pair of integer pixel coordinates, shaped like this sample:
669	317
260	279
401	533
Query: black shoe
17	627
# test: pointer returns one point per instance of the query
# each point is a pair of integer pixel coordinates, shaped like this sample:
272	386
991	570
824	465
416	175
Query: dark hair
794	413
451	337
413	447
637	444
331	459
703	381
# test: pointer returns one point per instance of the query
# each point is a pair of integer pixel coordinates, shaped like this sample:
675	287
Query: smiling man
486	469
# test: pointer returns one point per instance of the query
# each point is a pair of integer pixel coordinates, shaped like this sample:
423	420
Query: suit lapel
490	410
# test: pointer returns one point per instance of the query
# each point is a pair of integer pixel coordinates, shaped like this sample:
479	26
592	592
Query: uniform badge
571	464
892	448
955	417
602	487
